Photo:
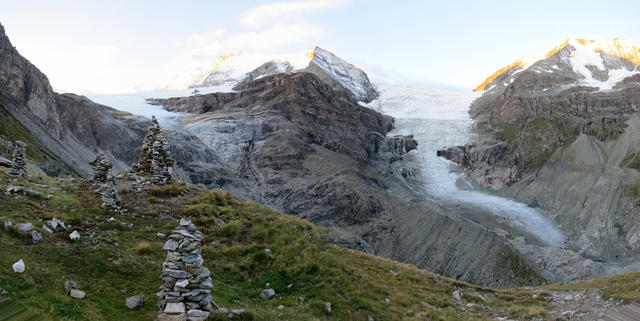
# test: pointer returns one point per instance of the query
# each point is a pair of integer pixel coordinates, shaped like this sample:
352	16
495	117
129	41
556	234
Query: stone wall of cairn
185	293
154	163
101	168
107	187
19	165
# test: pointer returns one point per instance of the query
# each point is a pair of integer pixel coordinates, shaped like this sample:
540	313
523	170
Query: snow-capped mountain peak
599	64
239	67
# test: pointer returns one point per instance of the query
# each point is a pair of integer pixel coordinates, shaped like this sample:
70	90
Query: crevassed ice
439	119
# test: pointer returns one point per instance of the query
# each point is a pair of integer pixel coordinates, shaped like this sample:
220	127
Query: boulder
25	228
267	294
70	285
74	236
36	236
77	294
19	267
134	302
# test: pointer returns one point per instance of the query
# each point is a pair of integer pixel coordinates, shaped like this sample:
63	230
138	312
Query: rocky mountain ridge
295	142
238	68
560	135
71	127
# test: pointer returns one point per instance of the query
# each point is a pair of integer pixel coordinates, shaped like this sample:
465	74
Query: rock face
71	129
294	143
340	74
562	134
18	167
240	68
297	129
186	283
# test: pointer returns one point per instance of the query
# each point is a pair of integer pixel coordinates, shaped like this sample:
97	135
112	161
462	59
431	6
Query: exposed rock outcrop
564	138
298	145
71	129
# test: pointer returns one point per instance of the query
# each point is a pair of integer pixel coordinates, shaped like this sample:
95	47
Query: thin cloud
206	48
276	11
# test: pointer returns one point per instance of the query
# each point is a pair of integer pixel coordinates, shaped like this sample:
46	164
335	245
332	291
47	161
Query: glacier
438	119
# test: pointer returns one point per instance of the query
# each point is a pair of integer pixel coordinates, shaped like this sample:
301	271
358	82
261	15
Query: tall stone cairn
19	165
185	293
101	167
154	162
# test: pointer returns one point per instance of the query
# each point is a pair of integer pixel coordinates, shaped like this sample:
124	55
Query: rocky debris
47	229
19	266
458	295
585	305
327	306
101	168
5	162
77	294
25	228
154	163
74	236
12	189
70	285
186	283
56	225
36	236
267	294
19	165
134	302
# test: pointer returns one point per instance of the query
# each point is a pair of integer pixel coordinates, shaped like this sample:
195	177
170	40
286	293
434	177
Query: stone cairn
185	293
19	165
154	163
101	168
107	187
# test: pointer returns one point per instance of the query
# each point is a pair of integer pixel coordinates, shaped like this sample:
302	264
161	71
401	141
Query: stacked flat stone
185	293
19	165
101	168
107	187
161	162
109	193
154	162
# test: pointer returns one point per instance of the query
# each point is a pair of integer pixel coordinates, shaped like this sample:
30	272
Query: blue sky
118	46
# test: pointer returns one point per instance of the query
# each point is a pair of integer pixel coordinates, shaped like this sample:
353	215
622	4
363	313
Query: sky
132	45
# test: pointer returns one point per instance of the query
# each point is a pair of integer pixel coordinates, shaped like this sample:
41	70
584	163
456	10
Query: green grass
126	254
173	189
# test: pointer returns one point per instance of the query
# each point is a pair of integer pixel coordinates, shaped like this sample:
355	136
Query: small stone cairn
101	168
185	293
107	187
154	162
19	164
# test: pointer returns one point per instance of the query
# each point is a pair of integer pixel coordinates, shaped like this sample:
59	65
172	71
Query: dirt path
589	306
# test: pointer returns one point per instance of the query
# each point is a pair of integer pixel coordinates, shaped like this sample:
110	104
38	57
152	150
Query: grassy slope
13	130
113	256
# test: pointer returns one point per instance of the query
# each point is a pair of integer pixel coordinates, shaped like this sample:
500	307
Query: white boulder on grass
19	267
